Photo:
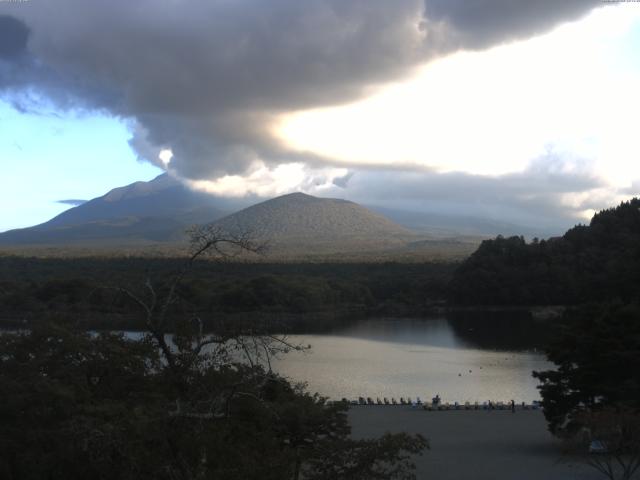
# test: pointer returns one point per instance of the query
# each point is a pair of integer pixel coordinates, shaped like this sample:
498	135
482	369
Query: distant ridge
157	213
439	224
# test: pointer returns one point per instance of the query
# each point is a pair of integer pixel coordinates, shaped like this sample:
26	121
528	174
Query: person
513	406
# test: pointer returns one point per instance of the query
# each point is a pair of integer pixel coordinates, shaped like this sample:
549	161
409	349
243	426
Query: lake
455	358
473	356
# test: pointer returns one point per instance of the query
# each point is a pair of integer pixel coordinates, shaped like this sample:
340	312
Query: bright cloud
493	112
267	182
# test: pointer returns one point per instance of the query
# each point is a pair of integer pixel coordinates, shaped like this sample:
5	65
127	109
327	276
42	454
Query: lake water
459	360
469	357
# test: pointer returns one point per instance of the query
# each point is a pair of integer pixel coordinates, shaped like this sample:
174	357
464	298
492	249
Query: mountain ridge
142	211
159	211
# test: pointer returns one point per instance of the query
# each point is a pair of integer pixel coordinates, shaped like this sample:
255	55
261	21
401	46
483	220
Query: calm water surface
461	359
398	357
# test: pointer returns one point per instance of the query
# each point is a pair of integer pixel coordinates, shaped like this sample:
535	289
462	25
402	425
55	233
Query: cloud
73	202
208	79
633	189
263	181
343	181
478	24
13	37
552	192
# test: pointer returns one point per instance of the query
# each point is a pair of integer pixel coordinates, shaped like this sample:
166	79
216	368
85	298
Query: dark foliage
596	349
318	295
77	406
194	405
588	263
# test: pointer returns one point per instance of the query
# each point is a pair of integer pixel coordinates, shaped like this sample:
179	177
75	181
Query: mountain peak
139	189
158	210
298	196
297	216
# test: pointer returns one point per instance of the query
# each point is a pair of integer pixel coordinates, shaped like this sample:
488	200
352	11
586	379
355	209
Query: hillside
588	263
155	211
300	220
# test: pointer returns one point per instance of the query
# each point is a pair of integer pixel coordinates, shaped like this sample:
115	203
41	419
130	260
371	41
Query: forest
316	294
595	262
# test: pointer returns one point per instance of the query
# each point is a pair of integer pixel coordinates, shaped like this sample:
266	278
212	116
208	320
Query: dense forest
597	262
315	294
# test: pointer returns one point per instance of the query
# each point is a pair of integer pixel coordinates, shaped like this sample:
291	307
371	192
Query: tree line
597	262
313	293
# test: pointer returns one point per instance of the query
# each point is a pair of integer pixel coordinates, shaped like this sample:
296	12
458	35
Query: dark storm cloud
13	37
206	78
481	23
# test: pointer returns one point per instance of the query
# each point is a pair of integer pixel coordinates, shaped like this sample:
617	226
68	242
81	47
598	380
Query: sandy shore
478	445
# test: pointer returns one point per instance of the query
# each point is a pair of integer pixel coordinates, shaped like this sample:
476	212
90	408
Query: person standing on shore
513	406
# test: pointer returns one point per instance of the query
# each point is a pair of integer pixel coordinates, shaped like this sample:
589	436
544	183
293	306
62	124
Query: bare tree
617	433
191	348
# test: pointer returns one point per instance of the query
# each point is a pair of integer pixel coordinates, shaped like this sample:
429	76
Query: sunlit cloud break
493	112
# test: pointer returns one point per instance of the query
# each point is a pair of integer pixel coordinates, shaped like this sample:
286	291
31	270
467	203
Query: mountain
161	197
295	225
155	211
302	221
161	210
441	225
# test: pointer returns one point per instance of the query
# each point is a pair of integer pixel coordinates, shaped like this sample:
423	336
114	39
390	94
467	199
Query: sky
511	110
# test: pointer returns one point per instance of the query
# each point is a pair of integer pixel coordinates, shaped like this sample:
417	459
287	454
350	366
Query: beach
476	444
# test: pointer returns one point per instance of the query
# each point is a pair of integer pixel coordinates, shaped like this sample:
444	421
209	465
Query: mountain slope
303	221
161	197
155	211
295	225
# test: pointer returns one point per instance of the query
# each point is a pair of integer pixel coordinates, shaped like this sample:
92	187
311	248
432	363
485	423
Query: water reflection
499	330
486	330
435	332
404	357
